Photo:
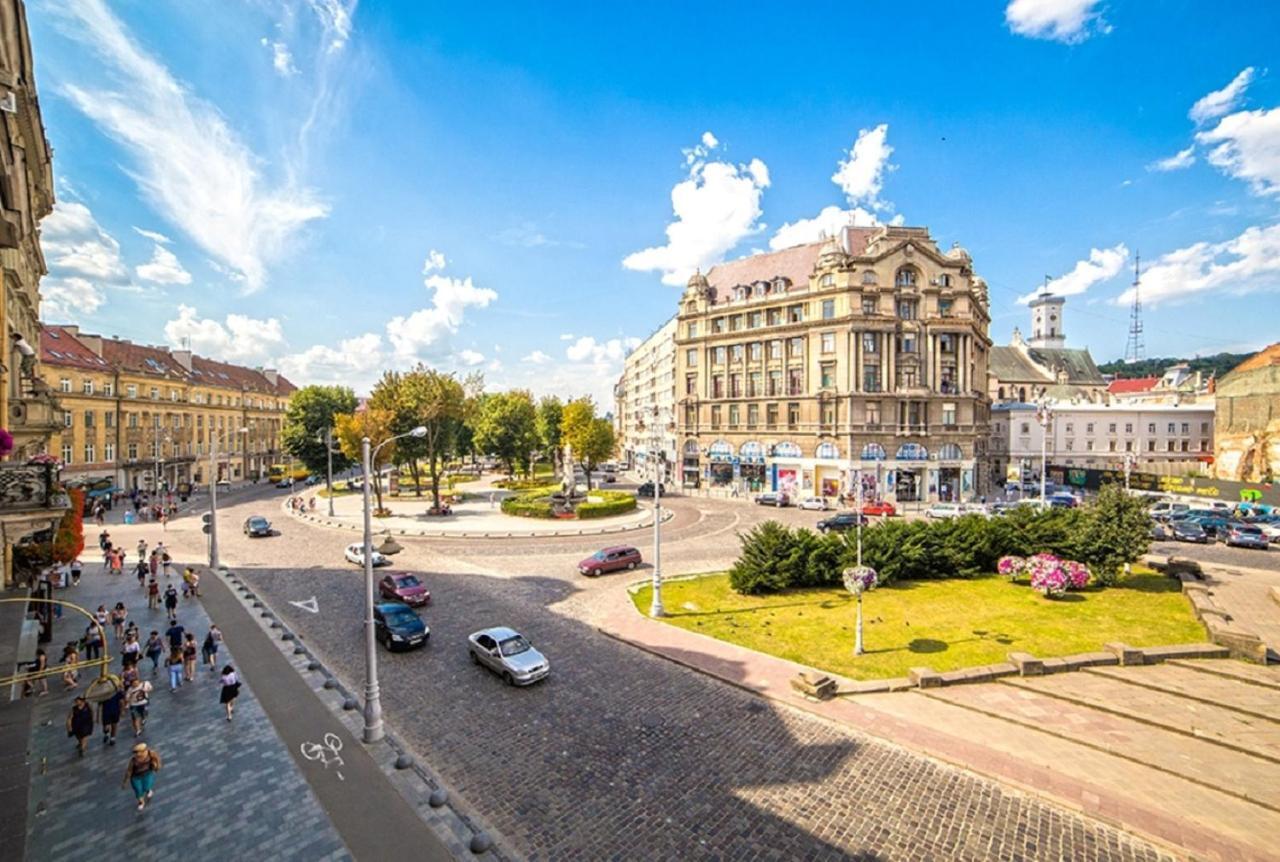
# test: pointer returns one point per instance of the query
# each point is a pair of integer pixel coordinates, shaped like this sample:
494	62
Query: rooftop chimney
182	357
93	342
273	376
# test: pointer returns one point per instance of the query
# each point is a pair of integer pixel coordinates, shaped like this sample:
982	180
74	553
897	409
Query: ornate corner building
31	499
864	354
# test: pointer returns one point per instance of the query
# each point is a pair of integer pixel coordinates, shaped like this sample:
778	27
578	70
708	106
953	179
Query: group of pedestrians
176	648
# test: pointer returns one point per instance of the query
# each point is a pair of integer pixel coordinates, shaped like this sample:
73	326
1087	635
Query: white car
813	503
1270	529
355	554
944	510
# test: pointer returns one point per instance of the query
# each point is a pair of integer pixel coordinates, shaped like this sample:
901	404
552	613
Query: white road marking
326	753
309	605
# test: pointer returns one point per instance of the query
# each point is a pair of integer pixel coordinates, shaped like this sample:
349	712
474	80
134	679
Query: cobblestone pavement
621	755
227	790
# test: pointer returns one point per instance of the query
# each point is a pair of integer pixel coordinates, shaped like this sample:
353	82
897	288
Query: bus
278	472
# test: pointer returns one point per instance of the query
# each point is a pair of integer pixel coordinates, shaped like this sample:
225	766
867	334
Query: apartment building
138	416
645	403
861	355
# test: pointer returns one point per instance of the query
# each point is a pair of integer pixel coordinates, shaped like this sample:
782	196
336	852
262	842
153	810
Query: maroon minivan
610	560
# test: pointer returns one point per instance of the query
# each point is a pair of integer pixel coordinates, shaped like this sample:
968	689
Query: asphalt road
1219	554
619	754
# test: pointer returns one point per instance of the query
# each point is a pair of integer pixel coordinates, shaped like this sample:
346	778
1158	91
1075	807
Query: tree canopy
590	438
376	425
311	412
507	428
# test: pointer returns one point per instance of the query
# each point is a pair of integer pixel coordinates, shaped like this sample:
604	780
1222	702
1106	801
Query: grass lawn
944	625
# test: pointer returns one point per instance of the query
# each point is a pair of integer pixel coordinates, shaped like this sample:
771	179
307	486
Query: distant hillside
1217	365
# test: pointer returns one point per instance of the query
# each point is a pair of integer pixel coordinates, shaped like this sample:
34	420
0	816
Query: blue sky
333	188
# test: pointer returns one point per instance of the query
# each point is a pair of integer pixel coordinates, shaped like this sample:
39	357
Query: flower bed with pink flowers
1049	575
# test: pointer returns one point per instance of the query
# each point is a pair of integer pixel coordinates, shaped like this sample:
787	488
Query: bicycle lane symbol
326	752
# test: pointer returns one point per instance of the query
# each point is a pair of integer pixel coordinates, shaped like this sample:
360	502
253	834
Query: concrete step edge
1110	673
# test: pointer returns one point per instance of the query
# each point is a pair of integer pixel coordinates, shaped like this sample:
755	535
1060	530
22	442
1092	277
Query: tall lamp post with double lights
1044	415
372	697
655	455
328	451
213	496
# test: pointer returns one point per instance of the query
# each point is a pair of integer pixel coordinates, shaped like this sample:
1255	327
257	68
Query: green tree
311	412
599	445
507	428
375	424
395	393
439	405
550	412
1112	533
575	427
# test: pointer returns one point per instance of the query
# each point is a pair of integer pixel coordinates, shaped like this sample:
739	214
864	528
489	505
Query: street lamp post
656	608
213	496
328	451
372	697
1045	415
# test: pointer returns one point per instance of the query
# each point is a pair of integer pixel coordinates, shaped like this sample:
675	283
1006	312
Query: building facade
1027	369
645	404
862	355
1248	420
140	417
1166	439
30	498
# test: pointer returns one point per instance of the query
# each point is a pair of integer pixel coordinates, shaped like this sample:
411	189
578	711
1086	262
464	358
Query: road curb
459	829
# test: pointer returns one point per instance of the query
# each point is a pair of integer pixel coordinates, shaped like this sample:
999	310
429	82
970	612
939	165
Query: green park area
942	624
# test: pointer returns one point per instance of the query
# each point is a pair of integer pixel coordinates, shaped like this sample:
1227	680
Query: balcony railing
24	487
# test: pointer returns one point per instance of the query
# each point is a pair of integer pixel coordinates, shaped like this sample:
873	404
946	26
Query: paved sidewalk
1245	594
227	790
1098	783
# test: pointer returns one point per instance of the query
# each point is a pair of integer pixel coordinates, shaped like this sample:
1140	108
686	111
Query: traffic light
206	518
206	529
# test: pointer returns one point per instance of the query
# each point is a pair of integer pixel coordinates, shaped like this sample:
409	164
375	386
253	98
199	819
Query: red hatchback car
883	507
404	587
610	560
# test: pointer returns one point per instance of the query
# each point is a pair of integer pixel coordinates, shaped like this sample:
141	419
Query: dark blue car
398	627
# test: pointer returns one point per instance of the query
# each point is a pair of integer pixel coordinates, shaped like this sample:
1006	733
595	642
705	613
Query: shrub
611	503
532	503
768	562
1112	533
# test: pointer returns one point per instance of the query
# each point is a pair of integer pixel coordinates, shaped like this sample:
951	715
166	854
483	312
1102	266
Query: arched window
912	452
873	452
1022	394
906	277
1001	393
950	452
869	277
828	280
721	450
751	450
786	450
827	452
691	447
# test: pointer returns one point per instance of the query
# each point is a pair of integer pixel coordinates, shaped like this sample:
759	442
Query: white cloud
435	261
470	358
163	268
710	141
537	357
335	19
83	260
1103	264
191	166
527	234
861	175
587	349
1179	160
281	58
715	208
450	298
240	339
1219	103
826	223
1246	145
153	236
566	336
355	362
1247	263
1069	21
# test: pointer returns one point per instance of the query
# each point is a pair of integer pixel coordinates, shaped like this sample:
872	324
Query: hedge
611	503
1104	536
528	485
532	503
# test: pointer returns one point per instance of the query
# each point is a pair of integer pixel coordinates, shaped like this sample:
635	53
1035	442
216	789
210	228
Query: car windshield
598	555
408	581
513	646
401	617
257	522
1254	531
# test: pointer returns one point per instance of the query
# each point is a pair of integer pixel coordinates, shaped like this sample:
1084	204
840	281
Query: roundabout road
620	754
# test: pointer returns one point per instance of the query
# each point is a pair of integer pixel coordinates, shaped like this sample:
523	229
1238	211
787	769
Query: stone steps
1267	676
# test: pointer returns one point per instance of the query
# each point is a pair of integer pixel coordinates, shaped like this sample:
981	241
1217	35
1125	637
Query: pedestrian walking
92	642
109	716
230	690
189	658
138	697
153	563
117	562
164	521
175	634
118	615
40	687
142	548
154	649
80	723
76	568
70	660
130	651
140	572
192	580
140	773
174	664
212	643
171	603
165	561
153	593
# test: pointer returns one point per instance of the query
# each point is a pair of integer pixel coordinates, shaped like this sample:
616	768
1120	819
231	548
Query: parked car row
1202	526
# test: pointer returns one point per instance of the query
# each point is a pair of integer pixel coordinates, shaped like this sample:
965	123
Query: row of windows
1112	446
180	420
1170	428
754	350
131	391
906	309
907	276
910	414
109	451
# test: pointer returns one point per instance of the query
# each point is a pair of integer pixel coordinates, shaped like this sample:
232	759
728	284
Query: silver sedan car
508	654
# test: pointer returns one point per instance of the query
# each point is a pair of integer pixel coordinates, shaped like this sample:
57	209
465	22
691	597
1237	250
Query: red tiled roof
213	373
1131	385
59	347
142	359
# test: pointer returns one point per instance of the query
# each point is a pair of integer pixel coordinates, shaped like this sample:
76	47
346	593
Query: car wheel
631	565
508	679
